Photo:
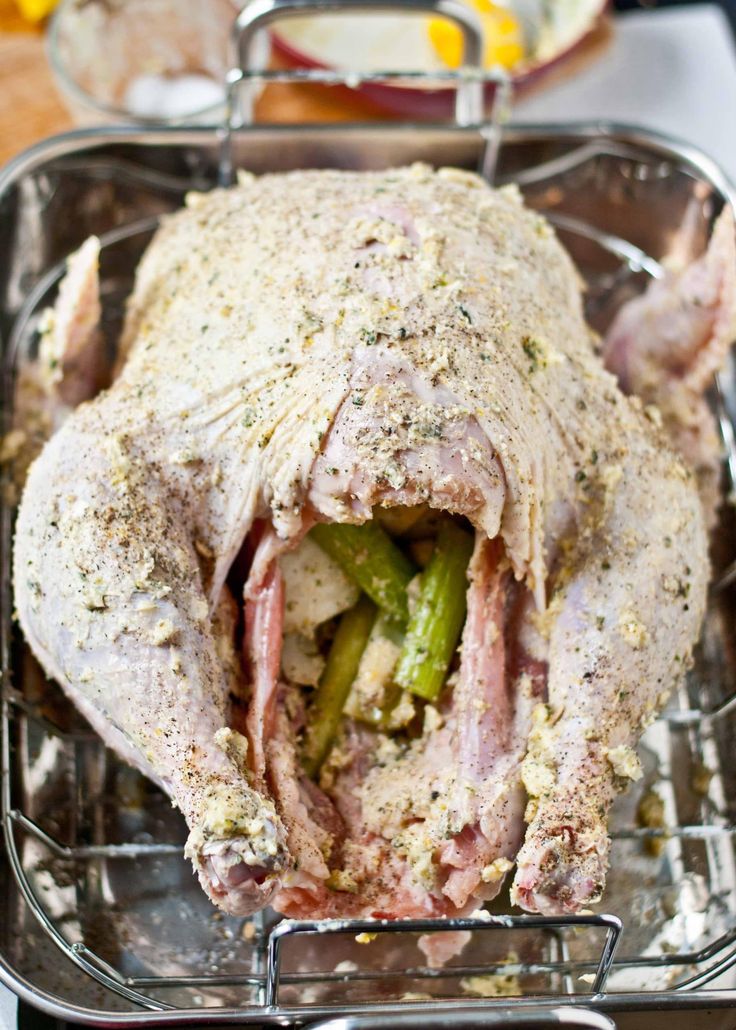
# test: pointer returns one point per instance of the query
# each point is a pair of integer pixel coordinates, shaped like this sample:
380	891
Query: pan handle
476	1017
260	14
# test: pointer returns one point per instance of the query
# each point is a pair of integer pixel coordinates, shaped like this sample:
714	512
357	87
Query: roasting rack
100	918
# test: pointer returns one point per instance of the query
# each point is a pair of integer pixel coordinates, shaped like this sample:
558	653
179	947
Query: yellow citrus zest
35	10
503	39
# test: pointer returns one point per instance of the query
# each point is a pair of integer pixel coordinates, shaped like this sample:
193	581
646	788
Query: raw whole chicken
475	568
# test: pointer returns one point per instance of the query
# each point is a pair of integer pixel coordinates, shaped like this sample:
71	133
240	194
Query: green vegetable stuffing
370	557
343	660
434	628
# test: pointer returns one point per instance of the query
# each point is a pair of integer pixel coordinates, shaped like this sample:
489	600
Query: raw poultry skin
666	345
304	347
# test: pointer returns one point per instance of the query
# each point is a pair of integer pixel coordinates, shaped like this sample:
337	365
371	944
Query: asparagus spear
334	685
434	627
370	557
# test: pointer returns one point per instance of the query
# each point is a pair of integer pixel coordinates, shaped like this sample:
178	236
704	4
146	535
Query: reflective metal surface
258	14
100	916
517	1017
468	83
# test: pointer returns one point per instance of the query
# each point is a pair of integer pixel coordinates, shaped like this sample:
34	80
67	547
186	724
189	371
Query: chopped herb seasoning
534	351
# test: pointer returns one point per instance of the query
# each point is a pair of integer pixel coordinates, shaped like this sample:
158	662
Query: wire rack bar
134	849
696	832
469	83
565	966
330	77
262	14
699	716
573	159
293	928
77	952
725	424
125	850
94	964
703	978
241	84
632	256
17	700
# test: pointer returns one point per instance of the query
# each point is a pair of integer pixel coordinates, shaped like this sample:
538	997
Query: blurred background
665	65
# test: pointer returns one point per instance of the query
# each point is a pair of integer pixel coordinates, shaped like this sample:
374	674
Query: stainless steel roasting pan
101	920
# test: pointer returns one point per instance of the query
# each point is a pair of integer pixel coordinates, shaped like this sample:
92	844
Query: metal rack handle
475	1017
259	14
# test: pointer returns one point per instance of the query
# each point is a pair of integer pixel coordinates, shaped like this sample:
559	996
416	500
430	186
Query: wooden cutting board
29	104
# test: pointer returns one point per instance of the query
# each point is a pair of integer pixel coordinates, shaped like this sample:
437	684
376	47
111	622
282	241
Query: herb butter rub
405	347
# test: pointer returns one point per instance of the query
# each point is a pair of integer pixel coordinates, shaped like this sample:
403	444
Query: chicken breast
306	347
